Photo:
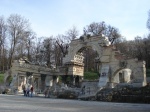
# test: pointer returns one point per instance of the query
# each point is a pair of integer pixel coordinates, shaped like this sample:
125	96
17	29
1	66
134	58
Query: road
18	103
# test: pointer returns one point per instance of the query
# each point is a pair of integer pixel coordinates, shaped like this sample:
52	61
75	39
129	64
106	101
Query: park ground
19	103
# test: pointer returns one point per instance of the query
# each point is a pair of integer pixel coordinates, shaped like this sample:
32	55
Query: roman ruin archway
110	58
112	62
73	61
95	42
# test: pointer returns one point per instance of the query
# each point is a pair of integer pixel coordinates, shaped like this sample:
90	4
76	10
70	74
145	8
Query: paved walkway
18	103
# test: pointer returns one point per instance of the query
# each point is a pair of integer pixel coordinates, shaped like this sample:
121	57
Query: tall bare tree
2	42
17	26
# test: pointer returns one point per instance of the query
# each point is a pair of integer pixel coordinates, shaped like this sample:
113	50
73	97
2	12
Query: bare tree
58	55
2	42
2	31
72	33
137	48
146	51
36	50
63	43
17	26
95	29
48	51
30	36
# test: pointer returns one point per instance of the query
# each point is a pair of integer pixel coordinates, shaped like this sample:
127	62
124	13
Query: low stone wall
91	87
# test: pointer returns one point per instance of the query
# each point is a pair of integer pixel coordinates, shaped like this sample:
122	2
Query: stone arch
135	66
95	42
73	61
7	77
94	47
109	57
124	73
136	72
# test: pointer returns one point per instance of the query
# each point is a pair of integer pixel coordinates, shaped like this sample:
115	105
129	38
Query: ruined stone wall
118	62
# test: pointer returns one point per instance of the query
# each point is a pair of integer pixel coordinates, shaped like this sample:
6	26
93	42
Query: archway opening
90	59
8	80
122	76
83	65
91	62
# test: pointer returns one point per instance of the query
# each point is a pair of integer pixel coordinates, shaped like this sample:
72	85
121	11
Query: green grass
90	75
1	78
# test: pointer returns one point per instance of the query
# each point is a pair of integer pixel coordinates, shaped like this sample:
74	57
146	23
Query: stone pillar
20	81
25	80
57	79
36	82
39	84
144	74
49	81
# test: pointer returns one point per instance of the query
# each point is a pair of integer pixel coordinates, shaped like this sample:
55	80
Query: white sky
53	17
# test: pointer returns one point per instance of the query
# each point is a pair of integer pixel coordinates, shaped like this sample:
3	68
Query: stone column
144	74
49	80
25	80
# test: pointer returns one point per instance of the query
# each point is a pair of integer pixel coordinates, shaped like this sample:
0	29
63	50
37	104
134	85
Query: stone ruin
114	68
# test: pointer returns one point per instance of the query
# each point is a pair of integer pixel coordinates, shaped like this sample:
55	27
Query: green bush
1	78
91	75
67	94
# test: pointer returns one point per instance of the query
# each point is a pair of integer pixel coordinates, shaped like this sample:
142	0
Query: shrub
91	75
67	94
1	78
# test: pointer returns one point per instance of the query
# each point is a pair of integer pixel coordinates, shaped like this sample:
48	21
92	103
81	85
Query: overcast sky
53	17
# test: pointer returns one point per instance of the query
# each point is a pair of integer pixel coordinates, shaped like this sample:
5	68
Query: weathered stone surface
30	75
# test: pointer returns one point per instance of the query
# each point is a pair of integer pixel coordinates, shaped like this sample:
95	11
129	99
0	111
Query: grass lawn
1	78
